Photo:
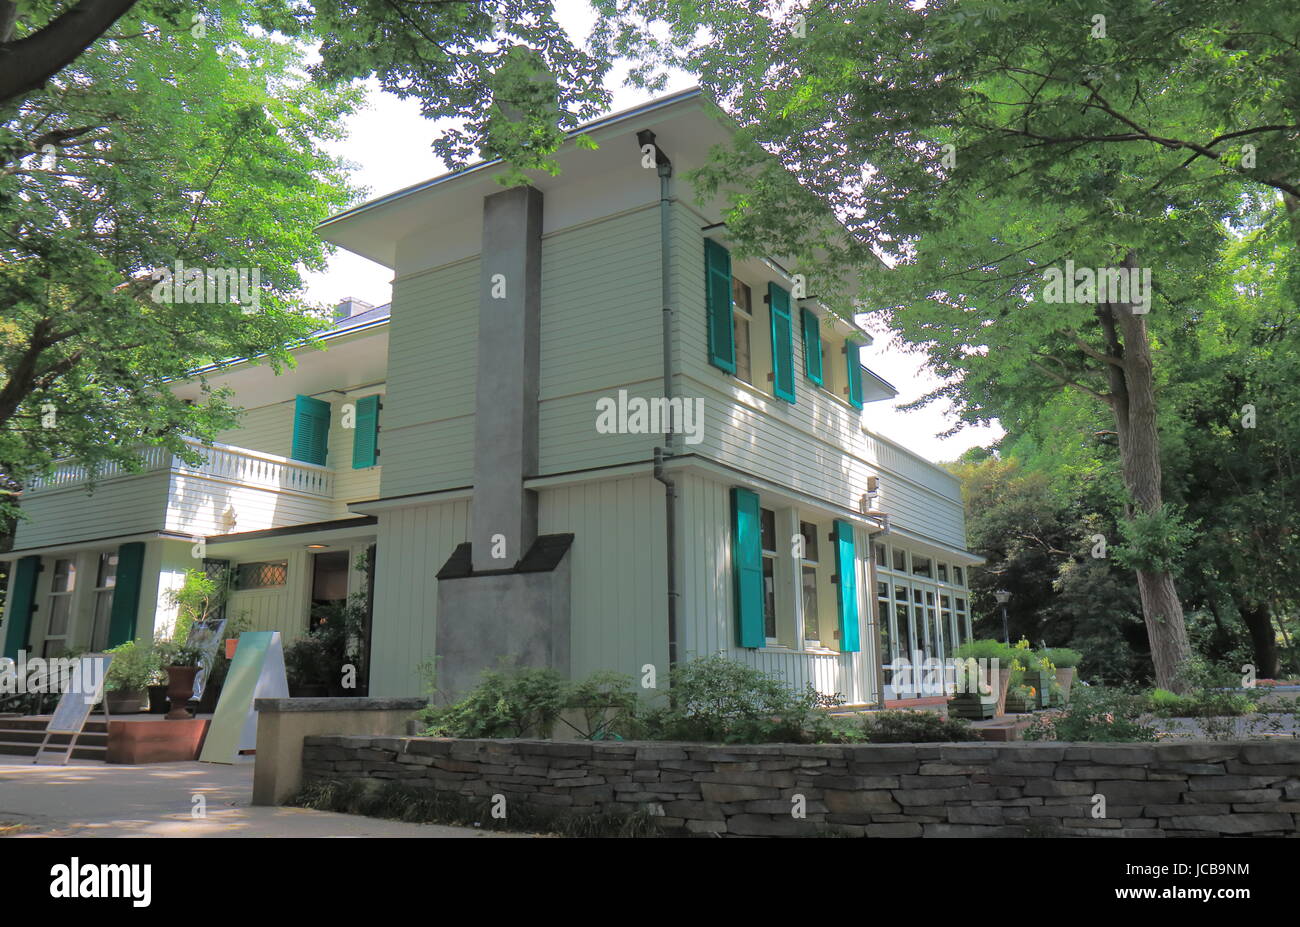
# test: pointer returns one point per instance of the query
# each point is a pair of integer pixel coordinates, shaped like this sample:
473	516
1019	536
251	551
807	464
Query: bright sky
389	143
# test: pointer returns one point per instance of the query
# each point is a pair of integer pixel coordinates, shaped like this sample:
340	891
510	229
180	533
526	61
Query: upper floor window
742	300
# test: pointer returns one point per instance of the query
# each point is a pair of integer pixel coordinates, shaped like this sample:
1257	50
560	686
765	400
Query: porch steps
22	736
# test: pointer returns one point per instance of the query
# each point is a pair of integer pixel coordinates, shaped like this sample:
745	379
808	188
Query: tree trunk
1133	403
1263	639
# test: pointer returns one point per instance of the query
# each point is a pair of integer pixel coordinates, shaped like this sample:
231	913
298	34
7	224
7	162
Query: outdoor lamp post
1003	596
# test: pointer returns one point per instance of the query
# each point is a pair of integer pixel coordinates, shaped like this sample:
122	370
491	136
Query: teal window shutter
22	599
812	346
311	430
126	594
778	303
717	291
747	567
854	360
365	440
847	578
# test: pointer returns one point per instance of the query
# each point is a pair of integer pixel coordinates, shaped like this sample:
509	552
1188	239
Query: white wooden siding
118	507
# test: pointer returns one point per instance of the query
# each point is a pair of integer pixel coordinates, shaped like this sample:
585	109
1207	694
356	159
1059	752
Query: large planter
976	707
1041	683
125	701
1018	704
180	688
1065	679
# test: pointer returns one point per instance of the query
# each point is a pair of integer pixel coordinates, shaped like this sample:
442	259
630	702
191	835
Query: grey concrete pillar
503	520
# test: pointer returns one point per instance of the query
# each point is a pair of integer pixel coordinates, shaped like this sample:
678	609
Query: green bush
1063	657
135	667
1098	715
915	727
718	700
985	649
514	702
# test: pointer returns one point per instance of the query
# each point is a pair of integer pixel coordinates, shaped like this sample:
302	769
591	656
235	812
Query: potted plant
198	599
134	667
1066	662
1038	675
971	703
181	662
326	661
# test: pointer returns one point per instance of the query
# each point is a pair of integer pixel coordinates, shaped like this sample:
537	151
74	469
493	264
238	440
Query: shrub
514	702
135	667
1063	657
319	657
985	649
608	704
715	699
1096	714
915	727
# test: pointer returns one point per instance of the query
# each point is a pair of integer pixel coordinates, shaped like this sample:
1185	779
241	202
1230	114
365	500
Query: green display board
257	671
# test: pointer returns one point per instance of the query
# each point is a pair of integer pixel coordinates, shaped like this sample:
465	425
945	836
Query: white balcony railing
224	462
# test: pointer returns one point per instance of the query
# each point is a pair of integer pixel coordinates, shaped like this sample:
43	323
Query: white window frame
98	594
53	597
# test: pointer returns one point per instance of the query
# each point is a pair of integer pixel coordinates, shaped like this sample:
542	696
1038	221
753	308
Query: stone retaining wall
929	790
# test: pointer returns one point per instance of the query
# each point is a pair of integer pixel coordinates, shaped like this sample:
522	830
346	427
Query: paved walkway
93	799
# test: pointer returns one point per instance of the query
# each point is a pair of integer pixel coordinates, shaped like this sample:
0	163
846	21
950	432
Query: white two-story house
494	440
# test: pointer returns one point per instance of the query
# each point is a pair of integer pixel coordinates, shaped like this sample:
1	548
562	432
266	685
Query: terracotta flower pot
180	687
1065	678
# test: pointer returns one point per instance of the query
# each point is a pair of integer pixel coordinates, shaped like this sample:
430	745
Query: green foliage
1063	657
198	598
718	700
985	649
516	702
165	146
135	667
915	727
1096	714
608	704
1154	541
320	657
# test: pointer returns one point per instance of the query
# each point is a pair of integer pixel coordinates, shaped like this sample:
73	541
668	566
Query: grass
396	802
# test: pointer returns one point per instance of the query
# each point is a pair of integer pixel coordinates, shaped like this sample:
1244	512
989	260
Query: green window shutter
717	291
126	594
365	440
812	346
854	360
747	567
846	570
778	303
22	598
311	430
